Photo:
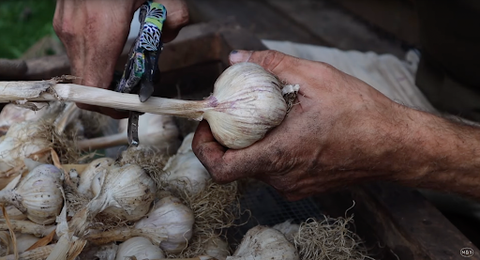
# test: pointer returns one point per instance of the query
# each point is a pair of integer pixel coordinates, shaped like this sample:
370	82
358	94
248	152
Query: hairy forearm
438	154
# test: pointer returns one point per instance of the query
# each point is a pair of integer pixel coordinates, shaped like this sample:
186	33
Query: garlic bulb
247	101
217	248
87	176
175	219
140	248
125	193
21	141
288	229
184	170
158	132
169	224
12	113
263	242
38	195
25	241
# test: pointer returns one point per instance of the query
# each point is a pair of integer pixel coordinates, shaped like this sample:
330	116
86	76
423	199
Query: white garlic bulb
140	248
125	193
157	132
247	101
184	170
263	242
87	176
172	218
128	191
38	195
25	241
217	248
12	113
288	229
21	141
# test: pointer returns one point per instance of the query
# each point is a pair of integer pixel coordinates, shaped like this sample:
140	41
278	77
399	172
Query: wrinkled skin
94	34
342	132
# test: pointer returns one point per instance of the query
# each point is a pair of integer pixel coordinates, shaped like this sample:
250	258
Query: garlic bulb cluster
263	242
158	132
172	218
168	225
21	141
38	195
140	248
184	170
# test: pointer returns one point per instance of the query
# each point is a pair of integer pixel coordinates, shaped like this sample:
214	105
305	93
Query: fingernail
239	56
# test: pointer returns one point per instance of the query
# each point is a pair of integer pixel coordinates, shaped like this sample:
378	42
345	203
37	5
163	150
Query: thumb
284	66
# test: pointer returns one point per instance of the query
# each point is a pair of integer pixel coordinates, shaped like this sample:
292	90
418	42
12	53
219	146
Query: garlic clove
87	176
262	242
172	217
140	248
247	101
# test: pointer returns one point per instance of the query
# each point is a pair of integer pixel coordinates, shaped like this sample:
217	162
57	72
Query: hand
94	34
341	132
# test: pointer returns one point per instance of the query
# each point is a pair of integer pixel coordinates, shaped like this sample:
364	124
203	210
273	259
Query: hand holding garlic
337	131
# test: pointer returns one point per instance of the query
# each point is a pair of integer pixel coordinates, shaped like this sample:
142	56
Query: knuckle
271	59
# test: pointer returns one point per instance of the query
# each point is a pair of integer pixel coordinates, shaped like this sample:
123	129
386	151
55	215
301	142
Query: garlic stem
103	142
28	227
52	91
125	233
35	254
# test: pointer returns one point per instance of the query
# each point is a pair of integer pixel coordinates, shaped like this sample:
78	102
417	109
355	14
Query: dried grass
329	238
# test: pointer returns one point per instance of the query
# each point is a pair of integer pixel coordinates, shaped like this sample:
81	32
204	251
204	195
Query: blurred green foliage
22	23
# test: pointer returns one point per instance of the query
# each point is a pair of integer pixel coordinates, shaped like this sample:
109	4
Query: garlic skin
172	217
25	241
12	113
87	176
288	229
184	170
247	101
217	248
125	192
140	248
262	242
158	132
38	195
21	141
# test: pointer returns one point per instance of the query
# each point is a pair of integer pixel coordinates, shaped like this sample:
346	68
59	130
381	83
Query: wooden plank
255	16
336	27
397	17
403	218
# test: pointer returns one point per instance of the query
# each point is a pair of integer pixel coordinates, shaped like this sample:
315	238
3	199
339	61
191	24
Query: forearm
438	154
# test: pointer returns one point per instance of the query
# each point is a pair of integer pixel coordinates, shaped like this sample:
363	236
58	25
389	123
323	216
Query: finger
284	66
177	17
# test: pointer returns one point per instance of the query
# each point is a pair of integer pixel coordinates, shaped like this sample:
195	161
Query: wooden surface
316	22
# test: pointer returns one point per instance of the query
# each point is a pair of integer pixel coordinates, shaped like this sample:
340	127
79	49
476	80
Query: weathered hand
94	33
342	131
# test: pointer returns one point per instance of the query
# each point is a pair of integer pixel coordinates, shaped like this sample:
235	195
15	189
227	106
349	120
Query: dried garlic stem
40	253
51	91
28	227
103	142
125	233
